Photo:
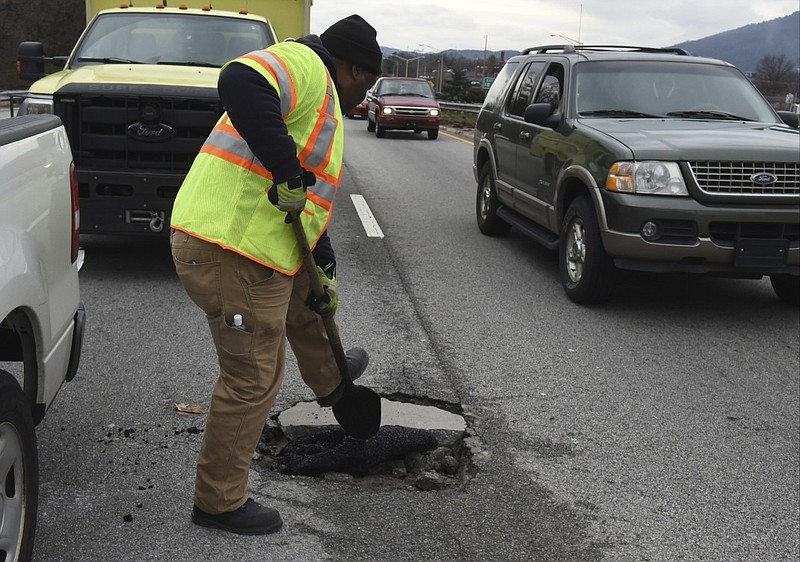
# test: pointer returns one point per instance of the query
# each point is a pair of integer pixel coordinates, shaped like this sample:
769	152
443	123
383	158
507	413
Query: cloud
516	24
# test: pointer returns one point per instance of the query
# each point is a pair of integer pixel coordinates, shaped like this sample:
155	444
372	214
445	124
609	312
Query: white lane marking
367	219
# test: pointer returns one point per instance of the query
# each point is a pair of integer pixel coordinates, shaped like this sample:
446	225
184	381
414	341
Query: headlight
434	113
387	111
649	177
36	104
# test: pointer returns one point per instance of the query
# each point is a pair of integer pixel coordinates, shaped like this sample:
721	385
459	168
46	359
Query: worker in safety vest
275	152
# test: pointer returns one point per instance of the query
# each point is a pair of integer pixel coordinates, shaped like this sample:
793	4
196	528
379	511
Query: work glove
326	306
288	196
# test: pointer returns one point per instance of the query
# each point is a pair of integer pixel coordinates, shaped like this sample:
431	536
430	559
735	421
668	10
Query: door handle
525	135
497	127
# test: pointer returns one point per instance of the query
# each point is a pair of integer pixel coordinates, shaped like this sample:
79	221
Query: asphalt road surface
662	426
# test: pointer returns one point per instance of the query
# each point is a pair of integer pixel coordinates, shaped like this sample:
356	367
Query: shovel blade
359	412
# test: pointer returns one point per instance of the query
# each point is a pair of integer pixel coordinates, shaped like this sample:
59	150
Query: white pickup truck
41	314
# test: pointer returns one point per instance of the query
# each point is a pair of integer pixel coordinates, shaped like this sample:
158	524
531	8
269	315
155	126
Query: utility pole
485	44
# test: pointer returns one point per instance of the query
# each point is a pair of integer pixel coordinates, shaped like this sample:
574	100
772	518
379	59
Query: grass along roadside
460	122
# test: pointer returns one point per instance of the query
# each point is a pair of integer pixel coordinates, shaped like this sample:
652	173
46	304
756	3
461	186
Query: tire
19	473
587	273
787	287
433	134
370	125
486	204
380	132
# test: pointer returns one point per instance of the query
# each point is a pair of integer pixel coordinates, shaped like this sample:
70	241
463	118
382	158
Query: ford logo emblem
158	132
763	178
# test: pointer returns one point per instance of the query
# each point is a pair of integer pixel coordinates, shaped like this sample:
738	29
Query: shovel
359	410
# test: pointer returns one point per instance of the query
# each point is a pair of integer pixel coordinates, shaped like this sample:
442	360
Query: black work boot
357	361
250	519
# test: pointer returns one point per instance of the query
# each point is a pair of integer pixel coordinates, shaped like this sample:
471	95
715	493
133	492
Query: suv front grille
411	111
97	126
735	178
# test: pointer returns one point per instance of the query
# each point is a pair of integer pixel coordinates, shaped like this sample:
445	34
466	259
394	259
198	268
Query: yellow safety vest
223	197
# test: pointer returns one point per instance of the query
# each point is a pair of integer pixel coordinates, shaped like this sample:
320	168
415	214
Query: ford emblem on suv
763	178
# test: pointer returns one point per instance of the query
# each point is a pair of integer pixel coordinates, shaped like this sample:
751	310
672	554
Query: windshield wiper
108	60
615	113
189	63
708	114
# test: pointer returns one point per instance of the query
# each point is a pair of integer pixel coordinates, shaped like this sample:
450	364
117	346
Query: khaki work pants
251	361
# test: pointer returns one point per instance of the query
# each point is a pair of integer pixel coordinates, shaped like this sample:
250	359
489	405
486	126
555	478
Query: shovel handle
319	292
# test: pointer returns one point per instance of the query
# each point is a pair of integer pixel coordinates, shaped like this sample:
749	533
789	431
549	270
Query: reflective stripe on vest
275	66
225	142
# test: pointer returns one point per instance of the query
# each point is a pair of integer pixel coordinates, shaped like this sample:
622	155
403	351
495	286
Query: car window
552	87
523	92
495	94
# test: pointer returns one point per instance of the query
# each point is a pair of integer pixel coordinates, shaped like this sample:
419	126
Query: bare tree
775	74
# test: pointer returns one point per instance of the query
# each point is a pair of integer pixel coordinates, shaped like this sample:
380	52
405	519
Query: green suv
642	159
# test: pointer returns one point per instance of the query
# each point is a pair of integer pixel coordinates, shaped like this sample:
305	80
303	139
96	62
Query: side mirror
790	118
30	60
541	114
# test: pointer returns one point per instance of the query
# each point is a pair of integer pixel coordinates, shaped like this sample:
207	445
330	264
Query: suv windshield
668	89
169	39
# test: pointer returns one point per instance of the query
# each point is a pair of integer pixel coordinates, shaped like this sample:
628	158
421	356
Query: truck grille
736	178
412	111
174	130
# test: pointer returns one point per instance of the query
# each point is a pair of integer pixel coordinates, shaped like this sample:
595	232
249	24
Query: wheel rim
12	492
485	200
576	250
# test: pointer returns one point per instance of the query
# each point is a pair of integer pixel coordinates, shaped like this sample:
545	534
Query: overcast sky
516	24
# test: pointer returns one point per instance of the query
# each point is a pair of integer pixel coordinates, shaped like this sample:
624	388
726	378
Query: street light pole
440	74
406	61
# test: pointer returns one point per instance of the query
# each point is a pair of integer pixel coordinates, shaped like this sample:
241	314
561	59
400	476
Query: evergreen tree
457	85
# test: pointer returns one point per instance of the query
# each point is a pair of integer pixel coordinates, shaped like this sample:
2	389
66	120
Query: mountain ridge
743	47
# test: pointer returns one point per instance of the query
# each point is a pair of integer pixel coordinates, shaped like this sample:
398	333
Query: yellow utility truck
138	96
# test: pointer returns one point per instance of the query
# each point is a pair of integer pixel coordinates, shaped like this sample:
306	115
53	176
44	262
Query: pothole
420	445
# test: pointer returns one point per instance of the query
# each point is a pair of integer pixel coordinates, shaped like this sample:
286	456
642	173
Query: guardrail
465	107
12	99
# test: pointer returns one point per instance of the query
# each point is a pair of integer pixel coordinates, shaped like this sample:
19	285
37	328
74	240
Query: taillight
76	212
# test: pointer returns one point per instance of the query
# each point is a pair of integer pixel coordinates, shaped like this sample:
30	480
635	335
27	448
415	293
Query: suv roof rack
569	48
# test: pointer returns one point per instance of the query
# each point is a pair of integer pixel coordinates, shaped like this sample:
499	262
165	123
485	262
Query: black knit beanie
354	40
